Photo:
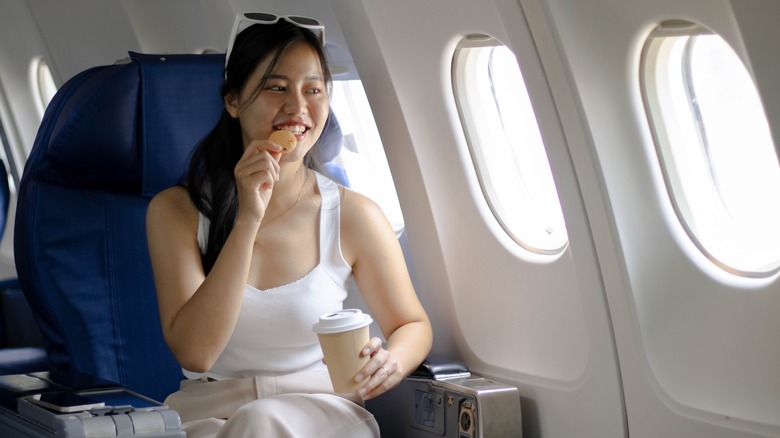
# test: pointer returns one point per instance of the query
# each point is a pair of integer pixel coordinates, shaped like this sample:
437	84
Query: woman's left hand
382	370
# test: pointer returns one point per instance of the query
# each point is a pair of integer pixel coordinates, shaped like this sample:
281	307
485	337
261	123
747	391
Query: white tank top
273	334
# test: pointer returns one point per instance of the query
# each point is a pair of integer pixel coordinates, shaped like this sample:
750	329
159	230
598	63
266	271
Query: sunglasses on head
243	21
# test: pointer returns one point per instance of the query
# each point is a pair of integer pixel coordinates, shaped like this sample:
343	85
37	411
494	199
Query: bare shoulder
172	205
364	225
358	210
175	197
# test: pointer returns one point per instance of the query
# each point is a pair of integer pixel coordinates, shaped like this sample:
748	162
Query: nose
295	102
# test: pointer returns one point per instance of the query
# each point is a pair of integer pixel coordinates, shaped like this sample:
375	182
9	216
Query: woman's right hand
255	173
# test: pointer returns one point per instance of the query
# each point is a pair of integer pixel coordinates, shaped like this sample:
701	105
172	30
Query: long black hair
210	180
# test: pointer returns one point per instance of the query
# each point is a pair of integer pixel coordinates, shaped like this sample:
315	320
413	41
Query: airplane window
506	145
363	156
43	84
716	150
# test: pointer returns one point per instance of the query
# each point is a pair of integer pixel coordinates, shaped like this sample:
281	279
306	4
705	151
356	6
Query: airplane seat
328	148
112	138
21	345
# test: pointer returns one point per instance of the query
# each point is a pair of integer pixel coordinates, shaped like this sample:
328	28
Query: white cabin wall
540	324
82	33
388	112
180	26
70	36
21	44
19	114
695	344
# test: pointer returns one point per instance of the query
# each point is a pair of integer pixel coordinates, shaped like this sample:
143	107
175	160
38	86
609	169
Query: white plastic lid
342	321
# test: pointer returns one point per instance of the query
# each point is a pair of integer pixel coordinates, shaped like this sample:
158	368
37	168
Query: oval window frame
535	232
688	174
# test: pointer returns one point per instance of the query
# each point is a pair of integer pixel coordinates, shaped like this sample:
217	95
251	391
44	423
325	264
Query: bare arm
198	312
372	248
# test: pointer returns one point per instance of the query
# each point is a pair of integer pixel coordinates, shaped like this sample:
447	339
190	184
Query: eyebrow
283	77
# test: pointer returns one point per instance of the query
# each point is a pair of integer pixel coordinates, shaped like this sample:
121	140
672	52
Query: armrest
437	368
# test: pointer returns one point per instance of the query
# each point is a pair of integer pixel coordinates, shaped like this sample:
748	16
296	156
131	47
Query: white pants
300	405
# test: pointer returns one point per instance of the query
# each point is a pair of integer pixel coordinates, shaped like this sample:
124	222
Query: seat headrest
330	141
89	143
132	126
177	91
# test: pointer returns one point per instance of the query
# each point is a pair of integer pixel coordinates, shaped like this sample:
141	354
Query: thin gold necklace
300	195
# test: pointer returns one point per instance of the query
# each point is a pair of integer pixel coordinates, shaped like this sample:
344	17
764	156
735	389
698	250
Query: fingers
255	174
382	371
272	150
266	146
372	347
258	167
275	150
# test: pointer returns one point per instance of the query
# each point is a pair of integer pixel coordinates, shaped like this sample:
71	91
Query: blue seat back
112	137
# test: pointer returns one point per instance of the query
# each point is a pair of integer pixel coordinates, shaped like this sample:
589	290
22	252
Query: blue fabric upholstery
112	137
80	238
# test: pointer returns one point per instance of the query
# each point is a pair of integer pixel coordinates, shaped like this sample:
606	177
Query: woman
257	245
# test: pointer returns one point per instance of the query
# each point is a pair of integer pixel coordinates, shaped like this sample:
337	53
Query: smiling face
293	98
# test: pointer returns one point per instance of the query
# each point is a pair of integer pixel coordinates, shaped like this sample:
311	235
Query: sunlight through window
716	148
43	84
362	155
506	145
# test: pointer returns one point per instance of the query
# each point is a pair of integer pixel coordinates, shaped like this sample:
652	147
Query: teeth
297	129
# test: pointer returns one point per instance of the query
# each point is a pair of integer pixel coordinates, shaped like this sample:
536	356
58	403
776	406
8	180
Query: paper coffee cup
343	335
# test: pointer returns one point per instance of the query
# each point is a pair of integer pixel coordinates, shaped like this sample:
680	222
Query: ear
231	104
